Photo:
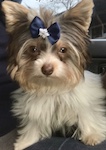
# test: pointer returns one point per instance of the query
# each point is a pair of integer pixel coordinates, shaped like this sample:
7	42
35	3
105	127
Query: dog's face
35	62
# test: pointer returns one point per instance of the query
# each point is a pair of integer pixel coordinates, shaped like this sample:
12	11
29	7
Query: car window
57	6
98	24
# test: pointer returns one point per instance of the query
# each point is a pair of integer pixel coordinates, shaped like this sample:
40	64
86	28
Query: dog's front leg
92	126
27	136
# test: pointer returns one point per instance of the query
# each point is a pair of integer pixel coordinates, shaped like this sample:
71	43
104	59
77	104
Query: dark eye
34	49
33	52
63	50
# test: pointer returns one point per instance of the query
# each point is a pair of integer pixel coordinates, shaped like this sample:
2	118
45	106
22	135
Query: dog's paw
20	146
93	139
16	147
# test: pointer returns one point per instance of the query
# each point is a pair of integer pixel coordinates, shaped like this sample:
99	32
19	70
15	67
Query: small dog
47	57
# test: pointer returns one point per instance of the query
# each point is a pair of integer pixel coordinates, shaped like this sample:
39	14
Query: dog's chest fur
46	110
53	111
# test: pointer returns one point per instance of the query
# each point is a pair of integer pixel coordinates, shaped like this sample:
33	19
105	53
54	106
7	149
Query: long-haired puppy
47	57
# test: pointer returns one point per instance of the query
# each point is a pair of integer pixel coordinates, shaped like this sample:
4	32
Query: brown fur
73	31
54	94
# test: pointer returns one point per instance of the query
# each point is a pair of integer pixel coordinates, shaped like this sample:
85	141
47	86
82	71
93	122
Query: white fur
44	111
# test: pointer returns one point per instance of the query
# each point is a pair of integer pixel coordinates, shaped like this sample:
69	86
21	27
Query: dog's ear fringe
12	69
13	12
82	13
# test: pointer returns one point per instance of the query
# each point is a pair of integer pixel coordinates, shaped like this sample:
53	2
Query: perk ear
14	14
81	13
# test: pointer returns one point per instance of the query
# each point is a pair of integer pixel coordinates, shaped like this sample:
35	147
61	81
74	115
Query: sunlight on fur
56	92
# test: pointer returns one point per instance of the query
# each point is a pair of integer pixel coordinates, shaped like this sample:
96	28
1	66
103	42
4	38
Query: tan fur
66	97
77	52
81	12
13	12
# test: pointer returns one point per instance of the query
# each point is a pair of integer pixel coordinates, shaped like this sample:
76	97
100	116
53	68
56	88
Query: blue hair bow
37	29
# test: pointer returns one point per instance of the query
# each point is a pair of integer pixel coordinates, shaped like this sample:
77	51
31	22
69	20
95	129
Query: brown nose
47	69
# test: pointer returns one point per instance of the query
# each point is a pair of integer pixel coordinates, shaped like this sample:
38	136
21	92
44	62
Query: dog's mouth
47	80
49	84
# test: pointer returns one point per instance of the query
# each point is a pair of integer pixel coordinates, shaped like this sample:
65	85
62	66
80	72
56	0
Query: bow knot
37	29
43	32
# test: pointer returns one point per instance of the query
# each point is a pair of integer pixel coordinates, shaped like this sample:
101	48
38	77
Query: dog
48	54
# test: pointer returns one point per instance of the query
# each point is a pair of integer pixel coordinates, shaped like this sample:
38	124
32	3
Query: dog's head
36	62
